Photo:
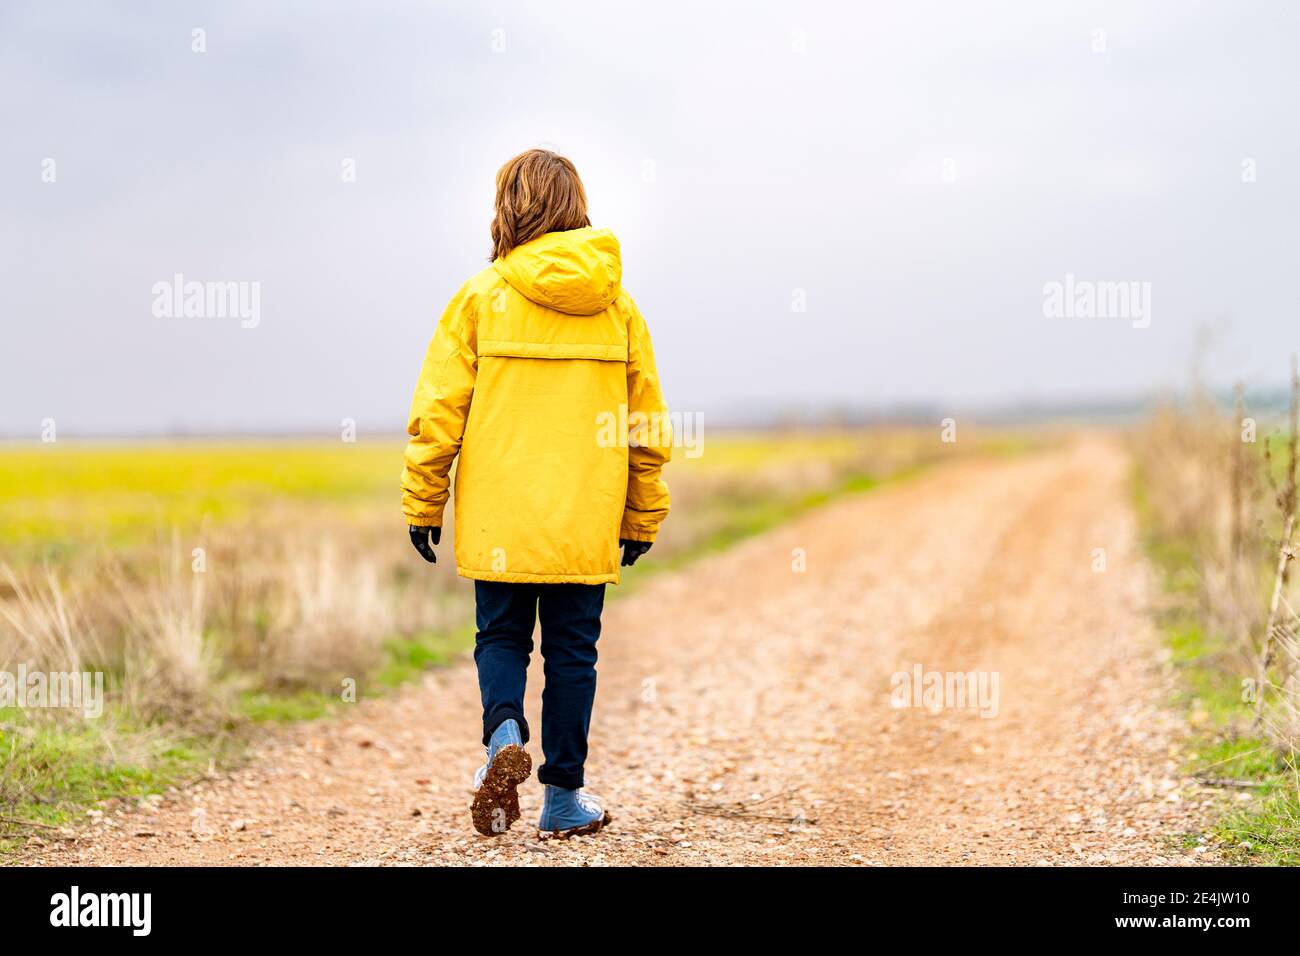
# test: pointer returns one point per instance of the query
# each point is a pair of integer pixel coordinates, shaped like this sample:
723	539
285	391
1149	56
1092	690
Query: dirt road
744	709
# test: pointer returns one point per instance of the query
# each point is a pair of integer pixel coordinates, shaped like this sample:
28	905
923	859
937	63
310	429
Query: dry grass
1222	487
329	619
168	665
47	629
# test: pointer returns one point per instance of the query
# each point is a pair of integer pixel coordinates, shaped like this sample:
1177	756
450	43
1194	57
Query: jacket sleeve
650	438
439	411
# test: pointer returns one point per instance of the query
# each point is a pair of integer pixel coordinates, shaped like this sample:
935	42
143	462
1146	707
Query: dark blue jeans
570	615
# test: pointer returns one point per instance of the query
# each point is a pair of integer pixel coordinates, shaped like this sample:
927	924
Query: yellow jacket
542	377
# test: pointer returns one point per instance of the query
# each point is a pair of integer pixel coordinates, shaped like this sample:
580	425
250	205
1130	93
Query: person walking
541	382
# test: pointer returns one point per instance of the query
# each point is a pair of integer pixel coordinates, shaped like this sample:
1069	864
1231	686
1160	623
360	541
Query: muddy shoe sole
496	802
592	827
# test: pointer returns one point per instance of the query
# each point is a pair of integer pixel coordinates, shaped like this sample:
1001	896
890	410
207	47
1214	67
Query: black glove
420	538
633	550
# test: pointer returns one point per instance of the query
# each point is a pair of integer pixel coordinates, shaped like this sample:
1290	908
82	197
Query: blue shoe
567	813
496	793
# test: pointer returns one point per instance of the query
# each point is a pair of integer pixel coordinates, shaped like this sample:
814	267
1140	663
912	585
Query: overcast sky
913	173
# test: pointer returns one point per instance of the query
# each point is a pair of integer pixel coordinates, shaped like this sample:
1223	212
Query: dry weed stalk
331	618
169	663
1275	634
46	627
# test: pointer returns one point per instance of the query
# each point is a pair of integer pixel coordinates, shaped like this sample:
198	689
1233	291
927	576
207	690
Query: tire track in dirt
743	714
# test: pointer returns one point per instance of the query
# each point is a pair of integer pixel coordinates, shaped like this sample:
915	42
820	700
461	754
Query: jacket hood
578	271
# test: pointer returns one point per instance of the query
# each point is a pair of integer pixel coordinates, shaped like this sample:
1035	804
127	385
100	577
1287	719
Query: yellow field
125	494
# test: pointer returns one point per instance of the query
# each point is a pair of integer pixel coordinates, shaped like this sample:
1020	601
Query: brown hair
537	192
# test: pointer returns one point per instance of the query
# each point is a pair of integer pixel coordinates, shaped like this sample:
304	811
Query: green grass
262	707
406	658
51	772
1265	830
1269	830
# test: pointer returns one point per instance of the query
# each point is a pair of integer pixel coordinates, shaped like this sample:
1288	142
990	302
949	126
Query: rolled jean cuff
558	778
499	717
